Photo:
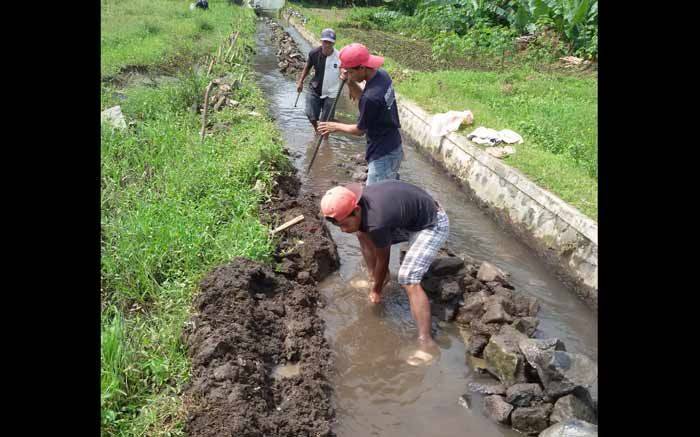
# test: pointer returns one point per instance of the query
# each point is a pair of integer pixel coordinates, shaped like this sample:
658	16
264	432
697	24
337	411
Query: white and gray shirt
326	80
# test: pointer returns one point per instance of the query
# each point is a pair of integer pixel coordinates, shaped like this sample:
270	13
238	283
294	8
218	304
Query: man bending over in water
376	214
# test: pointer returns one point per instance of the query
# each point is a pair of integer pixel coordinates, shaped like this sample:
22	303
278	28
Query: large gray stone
445	266
496	310
504	359
526	325
571	428
523	395
533	348
525	306
562	372
478	327
473	308
476	344
486	388
509	330
450	291
489	272
503	292
531	420
571	407
465	400
471	284
497	409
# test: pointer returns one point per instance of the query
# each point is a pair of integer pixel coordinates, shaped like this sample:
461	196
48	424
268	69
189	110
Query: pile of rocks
539	387
291	60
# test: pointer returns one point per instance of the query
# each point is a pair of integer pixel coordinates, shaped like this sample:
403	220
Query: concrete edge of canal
558	232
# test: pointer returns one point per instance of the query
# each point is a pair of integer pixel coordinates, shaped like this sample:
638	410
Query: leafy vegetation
172	206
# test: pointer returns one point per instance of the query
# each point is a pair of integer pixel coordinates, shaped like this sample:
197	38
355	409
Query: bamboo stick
291	222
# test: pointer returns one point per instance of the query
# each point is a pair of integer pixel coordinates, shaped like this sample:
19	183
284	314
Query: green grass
556	115
555	112
153	33
172	208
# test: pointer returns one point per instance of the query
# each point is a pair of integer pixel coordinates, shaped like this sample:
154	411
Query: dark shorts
314	104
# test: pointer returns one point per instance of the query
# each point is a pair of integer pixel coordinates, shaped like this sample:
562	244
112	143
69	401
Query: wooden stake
211	64
233	43
291	222
206	106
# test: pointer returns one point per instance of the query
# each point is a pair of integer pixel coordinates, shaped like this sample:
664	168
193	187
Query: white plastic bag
442	124
114	117
491	137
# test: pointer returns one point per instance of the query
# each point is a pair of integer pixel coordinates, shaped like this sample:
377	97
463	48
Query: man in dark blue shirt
379	117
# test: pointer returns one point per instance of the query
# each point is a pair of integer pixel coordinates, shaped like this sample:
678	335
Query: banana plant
528	12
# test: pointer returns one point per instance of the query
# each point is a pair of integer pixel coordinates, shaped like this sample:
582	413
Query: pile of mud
357	168
260	361
291	60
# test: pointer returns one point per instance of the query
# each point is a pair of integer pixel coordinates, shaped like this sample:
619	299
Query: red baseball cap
339	202
355	55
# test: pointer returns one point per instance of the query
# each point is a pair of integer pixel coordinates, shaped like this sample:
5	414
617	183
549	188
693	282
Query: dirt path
249	320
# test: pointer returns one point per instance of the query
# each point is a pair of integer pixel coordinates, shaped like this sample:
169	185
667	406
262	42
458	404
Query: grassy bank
554	110
173	207
142	33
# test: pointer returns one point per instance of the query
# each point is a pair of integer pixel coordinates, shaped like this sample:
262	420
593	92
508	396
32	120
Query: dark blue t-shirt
379	117
391	209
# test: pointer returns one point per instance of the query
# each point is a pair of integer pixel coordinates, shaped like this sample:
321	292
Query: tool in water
320	137
297	100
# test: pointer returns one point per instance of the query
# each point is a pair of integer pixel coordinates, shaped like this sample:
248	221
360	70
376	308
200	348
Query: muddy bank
260	361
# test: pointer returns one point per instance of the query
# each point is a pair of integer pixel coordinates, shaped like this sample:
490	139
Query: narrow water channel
376	392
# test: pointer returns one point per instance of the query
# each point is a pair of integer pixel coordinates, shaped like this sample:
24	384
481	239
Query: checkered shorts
424	246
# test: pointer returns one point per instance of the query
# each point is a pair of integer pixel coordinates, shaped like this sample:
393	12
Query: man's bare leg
420	309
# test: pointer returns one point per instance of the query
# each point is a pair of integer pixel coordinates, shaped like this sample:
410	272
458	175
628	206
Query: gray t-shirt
393	208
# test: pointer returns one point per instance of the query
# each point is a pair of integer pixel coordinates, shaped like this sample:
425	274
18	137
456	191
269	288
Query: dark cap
328	35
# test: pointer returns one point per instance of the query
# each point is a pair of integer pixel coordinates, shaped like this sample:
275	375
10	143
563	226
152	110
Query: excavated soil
260	361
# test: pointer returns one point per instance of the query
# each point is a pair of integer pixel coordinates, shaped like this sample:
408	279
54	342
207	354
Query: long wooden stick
232	42
206	106
320	137
291	222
